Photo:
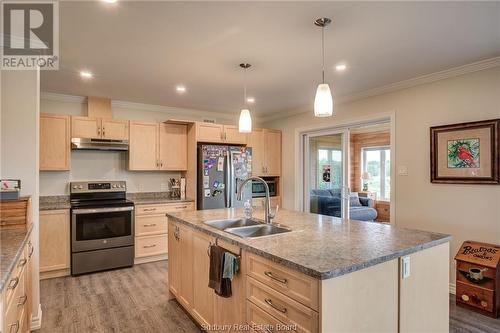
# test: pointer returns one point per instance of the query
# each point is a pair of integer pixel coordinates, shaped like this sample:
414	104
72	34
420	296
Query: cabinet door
255	140
54	240
55	150
29	282
143	146
174	263
233	135
203	296
186	283
173	147
272	145
207	132
114	129
85	127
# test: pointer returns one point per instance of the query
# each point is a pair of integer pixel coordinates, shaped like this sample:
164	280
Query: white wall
20	95
464	211
98	165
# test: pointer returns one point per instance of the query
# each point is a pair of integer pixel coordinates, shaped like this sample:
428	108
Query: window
329	171
377	162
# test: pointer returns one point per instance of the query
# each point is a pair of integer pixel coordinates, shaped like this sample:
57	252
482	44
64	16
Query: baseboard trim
36	322
453	289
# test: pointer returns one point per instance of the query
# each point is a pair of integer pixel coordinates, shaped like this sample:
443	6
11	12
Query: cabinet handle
271	304
16	324
24	299
280	280
22	262
32	249
149	225
13	283
98	131
149	246
149	209
161	164
181	207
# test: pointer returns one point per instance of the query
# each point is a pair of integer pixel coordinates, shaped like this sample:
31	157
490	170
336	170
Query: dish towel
220	285
231	266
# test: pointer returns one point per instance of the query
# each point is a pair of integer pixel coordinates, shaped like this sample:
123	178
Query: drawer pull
149	209
181	207
22	262
271	304
150	225
149	246
22	300
31	251
13	283
16	324
280	280
465	298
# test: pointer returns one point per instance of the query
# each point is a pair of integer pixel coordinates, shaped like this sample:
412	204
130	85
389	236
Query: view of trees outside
332	158
376	161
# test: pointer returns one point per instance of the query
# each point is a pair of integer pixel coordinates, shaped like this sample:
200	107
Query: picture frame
466	153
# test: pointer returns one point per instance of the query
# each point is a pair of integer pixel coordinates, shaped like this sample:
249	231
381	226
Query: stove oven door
101	228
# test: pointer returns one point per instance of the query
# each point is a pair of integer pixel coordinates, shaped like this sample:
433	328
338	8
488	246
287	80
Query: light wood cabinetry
151	230
266	152
55	147
174	260
203	296
54	243
16	298
99	128
156	146
217	133
186	266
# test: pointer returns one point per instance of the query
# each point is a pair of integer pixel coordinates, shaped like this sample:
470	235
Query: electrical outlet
163	187
405	264
403	170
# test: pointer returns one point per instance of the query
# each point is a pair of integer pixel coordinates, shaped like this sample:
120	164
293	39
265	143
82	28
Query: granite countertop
12	244
320	246
53	202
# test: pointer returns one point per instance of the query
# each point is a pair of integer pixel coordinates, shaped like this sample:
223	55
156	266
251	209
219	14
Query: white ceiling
139	51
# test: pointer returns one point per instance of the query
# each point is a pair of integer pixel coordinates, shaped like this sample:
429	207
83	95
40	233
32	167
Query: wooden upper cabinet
233	135
85	127
114	129
143	146
55	149
255	140
208	132
173	147
272	148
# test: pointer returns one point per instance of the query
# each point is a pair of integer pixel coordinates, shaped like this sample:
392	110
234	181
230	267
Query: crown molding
405	84
49	96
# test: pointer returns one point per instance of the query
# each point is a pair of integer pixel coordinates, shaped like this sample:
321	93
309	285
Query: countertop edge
308	271
16	258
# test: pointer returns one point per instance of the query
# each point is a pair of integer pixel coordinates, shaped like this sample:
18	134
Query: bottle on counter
247	207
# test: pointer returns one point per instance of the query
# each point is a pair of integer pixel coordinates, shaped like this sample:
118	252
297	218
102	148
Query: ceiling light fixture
180	89
86	74
341	67
323	101
245	123
110	1
251	100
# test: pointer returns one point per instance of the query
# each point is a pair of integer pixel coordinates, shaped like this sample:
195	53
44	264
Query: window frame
382	150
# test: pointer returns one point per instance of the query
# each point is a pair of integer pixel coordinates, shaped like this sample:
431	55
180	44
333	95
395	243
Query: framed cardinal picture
466	153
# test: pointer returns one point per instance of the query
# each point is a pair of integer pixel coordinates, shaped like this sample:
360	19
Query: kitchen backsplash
103	165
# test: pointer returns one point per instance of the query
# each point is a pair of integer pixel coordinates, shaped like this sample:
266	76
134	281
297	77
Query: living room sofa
328	202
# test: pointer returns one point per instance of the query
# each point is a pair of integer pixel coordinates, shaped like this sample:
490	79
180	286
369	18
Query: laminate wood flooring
135	300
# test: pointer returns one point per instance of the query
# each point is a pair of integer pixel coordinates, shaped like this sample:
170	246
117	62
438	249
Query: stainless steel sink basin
232	223
258	230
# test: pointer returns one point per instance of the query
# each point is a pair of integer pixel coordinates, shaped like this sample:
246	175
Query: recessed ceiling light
341	67
110	1
180	89
251	100
86	74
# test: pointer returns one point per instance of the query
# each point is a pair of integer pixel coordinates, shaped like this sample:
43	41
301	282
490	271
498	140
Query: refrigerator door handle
228	180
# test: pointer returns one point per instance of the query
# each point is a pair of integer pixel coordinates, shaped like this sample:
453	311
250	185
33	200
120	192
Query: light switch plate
403	170
405	267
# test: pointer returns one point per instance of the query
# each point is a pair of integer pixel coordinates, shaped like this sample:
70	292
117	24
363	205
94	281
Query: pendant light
323	101
245	123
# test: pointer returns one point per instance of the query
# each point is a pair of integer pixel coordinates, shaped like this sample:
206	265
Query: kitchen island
326	275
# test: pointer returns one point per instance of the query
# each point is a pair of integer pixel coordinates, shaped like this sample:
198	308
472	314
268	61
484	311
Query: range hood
98	144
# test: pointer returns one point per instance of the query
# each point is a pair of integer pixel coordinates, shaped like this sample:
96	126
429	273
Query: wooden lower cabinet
203	296
54	243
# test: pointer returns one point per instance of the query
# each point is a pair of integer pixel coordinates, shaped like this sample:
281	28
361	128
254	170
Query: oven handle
102	210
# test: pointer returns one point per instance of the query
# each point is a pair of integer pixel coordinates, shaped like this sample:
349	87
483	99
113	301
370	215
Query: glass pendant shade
245	124
323	102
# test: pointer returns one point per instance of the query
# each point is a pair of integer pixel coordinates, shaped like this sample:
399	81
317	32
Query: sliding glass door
326	173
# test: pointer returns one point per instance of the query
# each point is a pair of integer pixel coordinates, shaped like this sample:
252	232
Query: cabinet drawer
15	308
151	245
151	225
298	286
475	296
261	321
282	307
163	208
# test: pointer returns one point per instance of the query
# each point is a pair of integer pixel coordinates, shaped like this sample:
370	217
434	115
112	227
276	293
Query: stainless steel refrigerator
221	169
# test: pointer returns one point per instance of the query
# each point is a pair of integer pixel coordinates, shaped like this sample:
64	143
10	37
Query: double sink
247	228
